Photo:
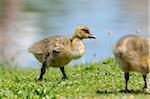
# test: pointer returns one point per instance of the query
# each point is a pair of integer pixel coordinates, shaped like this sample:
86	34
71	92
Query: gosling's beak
91	36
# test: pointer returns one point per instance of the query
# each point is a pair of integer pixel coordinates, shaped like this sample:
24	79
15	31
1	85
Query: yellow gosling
57	51
132	52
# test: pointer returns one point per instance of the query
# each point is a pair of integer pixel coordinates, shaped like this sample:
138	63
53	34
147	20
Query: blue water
60	17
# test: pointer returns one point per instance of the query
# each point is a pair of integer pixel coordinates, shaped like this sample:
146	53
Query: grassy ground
96	80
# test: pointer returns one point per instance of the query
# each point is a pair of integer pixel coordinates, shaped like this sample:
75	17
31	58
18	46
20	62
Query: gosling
57	51
132	54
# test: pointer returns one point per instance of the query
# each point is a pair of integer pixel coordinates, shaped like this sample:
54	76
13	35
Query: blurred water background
23	22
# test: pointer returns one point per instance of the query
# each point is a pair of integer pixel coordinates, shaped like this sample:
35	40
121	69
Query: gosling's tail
30	49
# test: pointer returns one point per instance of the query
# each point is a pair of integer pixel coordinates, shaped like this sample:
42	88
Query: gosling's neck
78	47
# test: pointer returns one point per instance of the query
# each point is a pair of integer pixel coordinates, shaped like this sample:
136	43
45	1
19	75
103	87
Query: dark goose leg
63	72
145	85
126	75
43	69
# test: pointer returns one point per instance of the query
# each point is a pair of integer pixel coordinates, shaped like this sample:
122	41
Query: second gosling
132	52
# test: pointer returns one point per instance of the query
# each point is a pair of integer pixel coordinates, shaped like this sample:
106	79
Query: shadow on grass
121	92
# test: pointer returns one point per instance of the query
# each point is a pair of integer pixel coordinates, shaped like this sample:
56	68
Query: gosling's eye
86	31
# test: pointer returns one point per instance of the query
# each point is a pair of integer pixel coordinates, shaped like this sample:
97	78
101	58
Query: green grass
95	80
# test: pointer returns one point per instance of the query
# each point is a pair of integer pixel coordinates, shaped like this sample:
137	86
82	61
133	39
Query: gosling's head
82	32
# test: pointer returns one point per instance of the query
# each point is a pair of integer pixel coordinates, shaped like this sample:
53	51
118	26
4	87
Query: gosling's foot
127	91
64	78
39	79
145	87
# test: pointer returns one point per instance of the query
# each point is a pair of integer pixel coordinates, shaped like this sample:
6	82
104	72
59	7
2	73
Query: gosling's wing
139	48
50	44
134	50
60	44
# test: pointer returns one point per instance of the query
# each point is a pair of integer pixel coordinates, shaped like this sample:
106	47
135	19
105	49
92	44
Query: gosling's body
57	51
60	48
132	54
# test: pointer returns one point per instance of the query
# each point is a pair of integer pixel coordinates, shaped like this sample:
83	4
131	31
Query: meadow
95	80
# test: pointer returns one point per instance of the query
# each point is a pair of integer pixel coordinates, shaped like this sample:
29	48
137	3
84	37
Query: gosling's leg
145	81
126	75
43	69
63	72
